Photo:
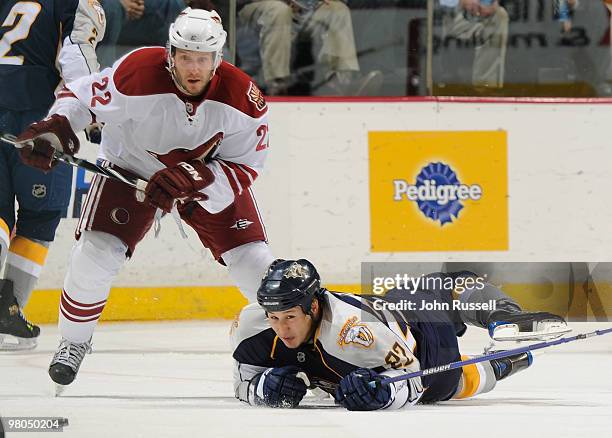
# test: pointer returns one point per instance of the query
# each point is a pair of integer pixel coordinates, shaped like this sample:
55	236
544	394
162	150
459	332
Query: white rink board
314	193
175	380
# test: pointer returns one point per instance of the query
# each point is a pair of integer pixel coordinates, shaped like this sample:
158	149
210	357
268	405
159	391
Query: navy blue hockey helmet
289	283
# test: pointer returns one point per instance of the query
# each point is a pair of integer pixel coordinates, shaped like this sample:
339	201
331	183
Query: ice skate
507	366
506	325
16	332
66	363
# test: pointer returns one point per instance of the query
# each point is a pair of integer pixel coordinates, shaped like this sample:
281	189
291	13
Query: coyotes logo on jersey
256	96
203	152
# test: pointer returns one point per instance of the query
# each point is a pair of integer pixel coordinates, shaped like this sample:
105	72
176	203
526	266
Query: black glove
356	394
280	387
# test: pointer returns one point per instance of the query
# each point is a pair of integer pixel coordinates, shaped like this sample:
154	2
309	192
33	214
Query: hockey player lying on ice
340	342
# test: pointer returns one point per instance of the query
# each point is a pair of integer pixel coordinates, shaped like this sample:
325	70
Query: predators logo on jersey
355	333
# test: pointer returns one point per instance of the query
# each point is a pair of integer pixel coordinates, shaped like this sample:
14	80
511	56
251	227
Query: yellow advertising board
438	191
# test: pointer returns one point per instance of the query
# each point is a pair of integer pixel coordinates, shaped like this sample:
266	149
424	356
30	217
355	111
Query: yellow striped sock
27	255
470	380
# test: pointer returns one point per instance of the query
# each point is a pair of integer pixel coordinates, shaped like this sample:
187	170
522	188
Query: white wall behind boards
314	193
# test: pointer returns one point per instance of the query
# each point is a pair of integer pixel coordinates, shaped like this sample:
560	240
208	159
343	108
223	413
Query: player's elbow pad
404	393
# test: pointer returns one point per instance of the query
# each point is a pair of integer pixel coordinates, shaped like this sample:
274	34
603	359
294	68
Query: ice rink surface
174	379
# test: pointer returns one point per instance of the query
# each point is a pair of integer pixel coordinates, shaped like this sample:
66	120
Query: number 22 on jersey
21	17
99	95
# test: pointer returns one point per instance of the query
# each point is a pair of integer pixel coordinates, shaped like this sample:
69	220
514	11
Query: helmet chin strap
316	321
177	84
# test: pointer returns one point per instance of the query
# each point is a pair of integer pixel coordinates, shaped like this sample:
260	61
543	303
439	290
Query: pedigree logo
438	191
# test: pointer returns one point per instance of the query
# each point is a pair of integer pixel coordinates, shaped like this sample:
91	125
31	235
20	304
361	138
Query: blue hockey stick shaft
491	356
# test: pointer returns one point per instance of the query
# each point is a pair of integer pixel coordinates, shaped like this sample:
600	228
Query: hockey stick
106	172
492	356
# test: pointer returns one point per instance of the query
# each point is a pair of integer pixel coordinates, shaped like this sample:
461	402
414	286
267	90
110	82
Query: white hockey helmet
198	30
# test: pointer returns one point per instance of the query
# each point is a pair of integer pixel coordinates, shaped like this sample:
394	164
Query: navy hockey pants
42	197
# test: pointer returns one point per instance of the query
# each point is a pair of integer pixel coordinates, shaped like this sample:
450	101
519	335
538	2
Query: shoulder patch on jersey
95	5
356	333
256	96
235	88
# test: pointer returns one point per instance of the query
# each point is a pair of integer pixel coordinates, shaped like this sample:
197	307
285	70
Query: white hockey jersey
347	338
150	124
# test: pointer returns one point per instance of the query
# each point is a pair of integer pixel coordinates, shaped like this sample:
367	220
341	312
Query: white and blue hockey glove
355	393
280	387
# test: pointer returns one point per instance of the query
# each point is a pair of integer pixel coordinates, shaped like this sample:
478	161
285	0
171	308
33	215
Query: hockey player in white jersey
301	335
191	124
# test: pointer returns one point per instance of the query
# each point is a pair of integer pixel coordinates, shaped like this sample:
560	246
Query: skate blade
510	332
59	389
14	343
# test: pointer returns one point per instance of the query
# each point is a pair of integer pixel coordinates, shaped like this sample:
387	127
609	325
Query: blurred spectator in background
485	23
134	23
564	9
592	63
278	24
609	72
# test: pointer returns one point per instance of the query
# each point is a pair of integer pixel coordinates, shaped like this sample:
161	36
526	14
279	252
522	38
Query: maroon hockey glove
49	134
182	182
